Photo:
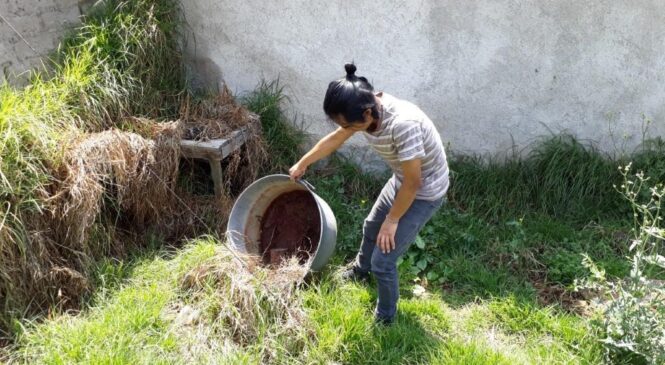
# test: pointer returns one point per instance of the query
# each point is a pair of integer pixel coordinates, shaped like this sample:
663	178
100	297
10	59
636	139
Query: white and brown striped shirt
406	133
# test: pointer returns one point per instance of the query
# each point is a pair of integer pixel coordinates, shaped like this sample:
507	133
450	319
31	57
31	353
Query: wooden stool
215	150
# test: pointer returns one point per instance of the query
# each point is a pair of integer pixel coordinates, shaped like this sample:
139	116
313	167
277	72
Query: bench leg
216	172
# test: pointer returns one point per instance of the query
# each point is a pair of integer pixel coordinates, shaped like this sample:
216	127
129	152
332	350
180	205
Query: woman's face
357	126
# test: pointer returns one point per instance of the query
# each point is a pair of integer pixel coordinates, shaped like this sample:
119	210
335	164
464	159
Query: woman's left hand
386	237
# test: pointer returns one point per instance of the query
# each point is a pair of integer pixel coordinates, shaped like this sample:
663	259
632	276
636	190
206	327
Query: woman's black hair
350	96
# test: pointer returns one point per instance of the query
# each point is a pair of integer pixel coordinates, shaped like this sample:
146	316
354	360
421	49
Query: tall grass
561	177
121	61
285	139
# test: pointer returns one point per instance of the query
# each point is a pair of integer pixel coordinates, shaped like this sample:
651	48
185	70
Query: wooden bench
215	150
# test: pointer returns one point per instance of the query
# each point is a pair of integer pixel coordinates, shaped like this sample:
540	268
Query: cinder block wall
489	73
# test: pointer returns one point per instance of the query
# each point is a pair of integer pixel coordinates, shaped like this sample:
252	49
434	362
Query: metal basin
244	227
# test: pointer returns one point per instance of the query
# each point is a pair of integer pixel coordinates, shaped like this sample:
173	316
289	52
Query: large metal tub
244	227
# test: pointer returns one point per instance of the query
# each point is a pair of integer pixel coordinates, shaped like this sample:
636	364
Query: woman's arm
323	148
405	197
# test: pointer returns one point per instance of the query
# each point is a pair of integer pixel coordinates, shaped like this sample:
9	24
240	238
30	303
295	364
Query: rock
419	291
187	316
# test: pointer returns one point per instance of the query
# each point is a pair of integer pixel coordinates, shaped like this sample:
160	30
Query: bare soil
290	226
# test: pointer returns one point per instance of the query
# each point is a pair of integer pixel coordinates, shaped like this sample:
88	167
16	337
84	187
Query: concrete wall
489	73
30	29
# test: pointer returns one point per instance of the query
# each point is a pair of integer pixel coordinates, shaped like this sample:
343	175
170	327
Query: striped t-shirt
406	133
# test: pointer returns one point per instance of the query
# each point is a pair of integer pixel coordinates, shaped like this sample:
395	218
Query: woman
410	144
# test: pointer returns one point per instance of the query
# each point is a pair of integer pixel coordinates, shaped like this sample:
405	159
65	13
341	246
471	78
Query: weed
634	314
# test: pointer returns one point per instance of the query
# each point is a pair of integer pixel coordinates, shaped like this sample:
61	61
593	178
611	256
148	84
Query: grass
111	67
118	63
286	140
123	324
129	323
560	177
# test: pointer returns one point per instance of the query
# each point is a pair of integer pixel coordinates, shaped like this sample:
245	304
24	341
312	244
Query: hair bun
350	69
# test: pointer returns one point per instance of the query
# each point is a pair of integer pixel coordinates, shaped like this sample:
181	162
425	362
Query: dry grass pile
115	180
215	117
107	193
248	302
67	196
135	175
105	180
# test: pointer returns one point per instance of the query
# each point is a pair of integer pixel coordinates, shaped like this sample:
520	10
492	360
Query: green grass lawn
482	302
127	322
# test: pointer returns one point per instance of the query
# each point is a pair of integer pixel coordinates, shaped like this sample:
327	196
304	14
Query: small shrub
634	311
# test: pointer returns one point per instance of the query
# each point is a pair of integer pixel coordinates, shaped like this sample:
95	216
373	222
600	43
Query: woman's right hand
297	171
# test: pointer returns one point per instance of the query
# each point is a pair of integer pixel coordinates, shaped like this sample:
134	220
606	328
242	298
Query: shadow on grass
110	274
406	341
342	315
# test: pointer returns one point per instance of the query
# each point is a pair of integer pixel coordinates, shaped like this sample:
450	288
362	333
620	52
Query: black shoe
353	274
381	321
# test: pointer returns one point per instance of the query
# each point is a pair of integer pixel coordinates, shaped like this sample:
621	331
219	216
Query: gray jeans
384	266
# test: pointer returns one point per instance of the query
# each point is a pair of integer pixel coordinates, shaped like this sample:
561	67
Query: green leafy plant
428	255
634	309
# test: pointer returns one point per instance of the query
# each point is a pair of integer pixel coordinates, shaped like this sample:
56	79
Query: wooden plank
218	149
235	141
215	148
200	149
216	172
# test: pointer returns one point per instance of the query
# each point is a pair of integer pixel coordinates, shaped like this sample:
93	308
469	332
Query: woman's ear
367	115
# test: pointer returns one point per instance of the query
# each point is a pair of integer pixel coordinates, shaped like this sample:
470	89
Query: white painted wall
489	73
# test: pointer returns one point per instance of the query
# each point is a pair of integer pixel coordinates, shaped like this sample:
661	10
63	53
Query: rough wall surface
29	30
489	73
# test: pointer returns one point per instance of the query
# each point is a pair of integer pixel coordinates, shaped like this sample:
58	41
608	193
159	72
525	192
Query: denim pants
384	266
